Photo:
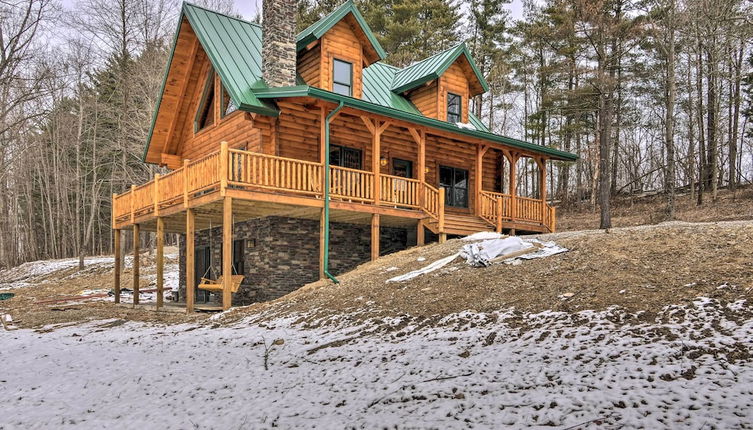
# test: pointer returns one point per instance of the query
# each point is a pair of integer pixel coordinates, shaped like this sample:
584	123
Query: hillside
651	209
641	327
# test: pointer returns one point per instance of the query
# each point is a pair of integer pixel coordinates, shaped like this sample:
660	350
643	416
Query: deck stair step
461	225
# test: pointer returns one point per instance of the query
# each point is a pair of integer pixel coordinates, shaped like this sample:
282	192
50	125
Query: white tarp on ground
482	253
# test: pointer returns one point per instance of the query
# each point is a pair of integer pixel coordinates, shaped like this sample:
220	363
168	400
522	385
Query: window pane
461	179
334	156
402	168
453	107
341	89
342	72
461	198
445	176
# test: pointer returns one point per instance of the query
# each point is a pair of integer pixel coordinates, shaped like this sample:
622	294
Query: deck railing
274	173
400	192
231	168
351	184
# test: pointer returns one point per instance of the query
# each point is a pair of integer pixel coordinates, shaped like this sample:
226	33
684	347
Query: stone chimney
278	52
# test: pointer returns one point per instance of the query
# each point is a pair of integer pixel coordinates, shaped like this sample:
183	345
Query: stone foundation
282	254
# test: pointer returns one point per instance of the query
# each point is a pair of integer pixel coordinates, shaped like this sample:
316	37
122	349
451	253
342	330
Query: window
342	77
226	104
454	110
403	168
455	183
205	114
345	157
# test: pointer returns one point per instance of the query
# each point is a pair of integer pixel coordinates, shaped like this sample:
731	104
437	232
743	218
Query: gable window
345	157
342	77
454	110
205	114
455	183
226	104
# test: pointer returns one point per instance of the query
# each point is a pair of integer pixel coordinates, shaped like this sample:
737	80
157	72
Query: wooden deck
265	185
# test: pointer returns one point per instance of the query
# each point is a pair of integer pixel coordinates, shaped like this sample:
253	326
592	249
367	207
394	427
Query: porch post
374	236
136	231
190	260
420	234
376	155
322	243
542	179
118	264
160	261
227	251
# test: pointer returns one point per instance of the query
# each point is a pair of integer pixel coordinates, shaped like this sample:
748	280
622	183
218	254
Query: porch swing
215	285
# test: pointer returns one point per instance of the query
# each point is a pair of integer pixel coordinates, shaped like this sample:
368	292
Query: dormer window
454	109
342	77
205	113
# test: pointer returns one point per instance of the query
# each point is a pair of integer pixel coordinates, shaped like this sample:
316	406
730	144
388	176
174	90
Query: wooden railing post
133	209
156	194
185	183
224	171
440	217
498	201
552	219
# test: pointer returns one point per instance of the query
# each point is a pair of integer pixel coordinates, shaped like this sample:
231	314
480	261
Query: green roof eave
307	91
316	30
452	54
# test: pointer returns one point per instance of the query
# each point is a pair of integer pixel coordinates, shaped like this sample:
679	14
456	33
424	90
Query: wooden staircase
461	225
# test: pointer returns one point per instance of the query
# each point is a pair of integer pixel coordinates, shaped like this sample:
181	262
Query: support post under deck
136	244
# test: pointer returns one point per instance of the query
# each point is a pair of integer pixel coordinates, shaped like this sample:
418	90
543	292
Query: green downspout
326	192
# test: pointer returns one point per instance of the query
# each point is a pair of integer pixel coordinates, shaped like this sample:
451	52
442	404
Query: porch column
420	234
374	236
118	264
376	155
136	231
479	177
542	178
190	259
227	251
513	159
160	261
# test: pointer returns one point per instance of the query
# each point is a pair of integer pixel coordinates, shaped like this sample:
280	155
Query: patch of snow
469	371
465	125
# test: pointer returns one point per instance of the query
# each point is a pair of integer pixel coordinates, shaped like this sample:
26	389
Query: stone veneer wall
282	254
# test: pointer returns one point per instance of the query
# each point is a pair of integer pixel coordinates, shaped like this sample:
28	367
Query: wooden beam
118	263
420	233
513	159
190	259
322	227
223	167
170	160
160	261
136	244
227	252
369	124
374	237
376	154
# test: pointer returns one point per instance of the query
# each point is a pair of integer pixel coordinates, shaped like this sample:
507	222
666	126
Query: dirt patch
640	269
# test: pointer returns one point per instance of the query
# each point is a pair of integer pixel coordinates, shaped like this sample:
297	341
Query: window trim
208	85
460	107
349	84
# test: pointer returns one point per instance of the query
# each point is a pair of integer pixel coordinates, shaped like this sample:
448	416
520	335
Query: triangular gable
348	11
232	45
433	67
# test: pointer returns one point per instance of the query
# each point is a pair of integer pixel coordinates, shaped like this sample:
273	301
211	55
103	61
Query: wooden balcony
285	183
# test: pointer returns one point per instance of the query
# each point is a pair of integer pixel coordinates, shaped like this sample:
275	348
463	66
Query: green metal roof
377	81
417	118
432	68
316	30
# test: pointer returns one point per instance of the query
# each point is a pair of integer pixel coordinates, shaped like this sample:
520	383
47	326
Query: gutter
326	191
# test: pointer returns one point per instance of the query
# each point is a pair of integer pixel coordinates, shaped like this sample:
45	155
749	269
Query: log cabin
293	157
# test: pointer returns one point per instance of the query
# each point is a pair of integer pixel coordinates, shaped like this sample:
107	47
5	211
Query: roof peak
245	21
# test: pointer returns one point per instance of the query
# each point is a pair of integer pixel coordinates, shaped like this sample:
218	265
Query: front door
203	256
455	183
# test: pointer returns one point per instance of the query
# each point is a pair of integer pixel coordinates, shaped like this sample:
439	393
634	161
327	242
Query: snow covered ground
689	368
